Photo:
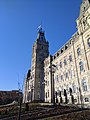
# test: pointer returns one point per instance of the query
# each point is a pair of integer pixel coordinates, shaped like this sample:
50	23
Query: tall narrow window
48	93
70	58
60	64
81	66
65	62
78	51
84	85
56	78
61	77
74	88
66	75
88	42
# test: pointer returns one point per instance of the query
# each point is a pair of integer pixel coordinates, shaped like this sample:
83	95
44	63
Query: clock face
88	20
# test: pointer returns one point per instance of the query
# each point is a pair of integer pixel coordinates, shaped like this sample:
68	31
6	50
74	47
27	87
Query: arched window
81	66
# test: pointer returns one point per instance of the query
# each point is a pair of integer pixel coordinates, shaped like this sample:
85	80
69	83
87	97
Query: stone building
65	76
34	87
67	72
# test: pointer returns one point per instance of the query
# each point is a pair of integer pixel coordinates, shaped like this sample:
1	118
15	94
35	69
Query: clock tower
40	51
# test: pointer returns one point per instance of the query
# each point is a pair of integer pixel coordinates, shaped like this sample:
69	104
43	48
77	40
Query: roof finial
40	28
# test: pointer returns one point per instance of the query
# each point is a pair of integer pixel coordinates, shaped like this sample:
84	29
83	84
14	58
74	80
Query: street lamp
52	68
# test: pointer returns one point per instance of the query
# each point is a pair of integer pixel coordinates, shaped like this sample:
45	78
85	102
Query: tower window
74	88
60	64
66	75
61	77
41	38
84	85
81	66
70	58
42	47
65	62
78	51
48	93
88	42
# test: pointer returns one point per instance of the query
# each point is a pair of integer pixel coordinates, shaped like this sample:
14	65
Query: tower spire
39	28
41	35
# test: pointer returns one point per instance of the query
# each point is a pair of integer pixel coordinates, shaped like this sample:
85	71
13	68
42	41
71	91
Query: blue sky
19	20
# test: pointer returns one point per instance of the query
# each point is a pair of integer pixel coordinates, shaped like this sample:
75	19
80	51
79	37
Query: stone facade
72	65
65	76
34	83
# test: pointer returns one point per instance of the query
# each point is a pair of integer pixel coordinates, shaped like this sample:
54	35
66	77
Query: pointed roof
41	35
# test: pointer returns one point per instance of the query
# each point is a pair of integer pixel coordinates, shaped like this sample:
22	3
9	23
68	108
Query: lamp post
20	105
52	68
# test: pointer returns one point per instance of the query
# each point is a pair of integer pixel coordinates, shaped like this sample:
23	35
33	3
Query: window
60	64
70	58
72	73
78	51
48	83
74	88
84	85
81	66
66	75
29	96
61	77
56	78
67	90
48	93
88	42
42	47
86	99
65	62
41	38
62	89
